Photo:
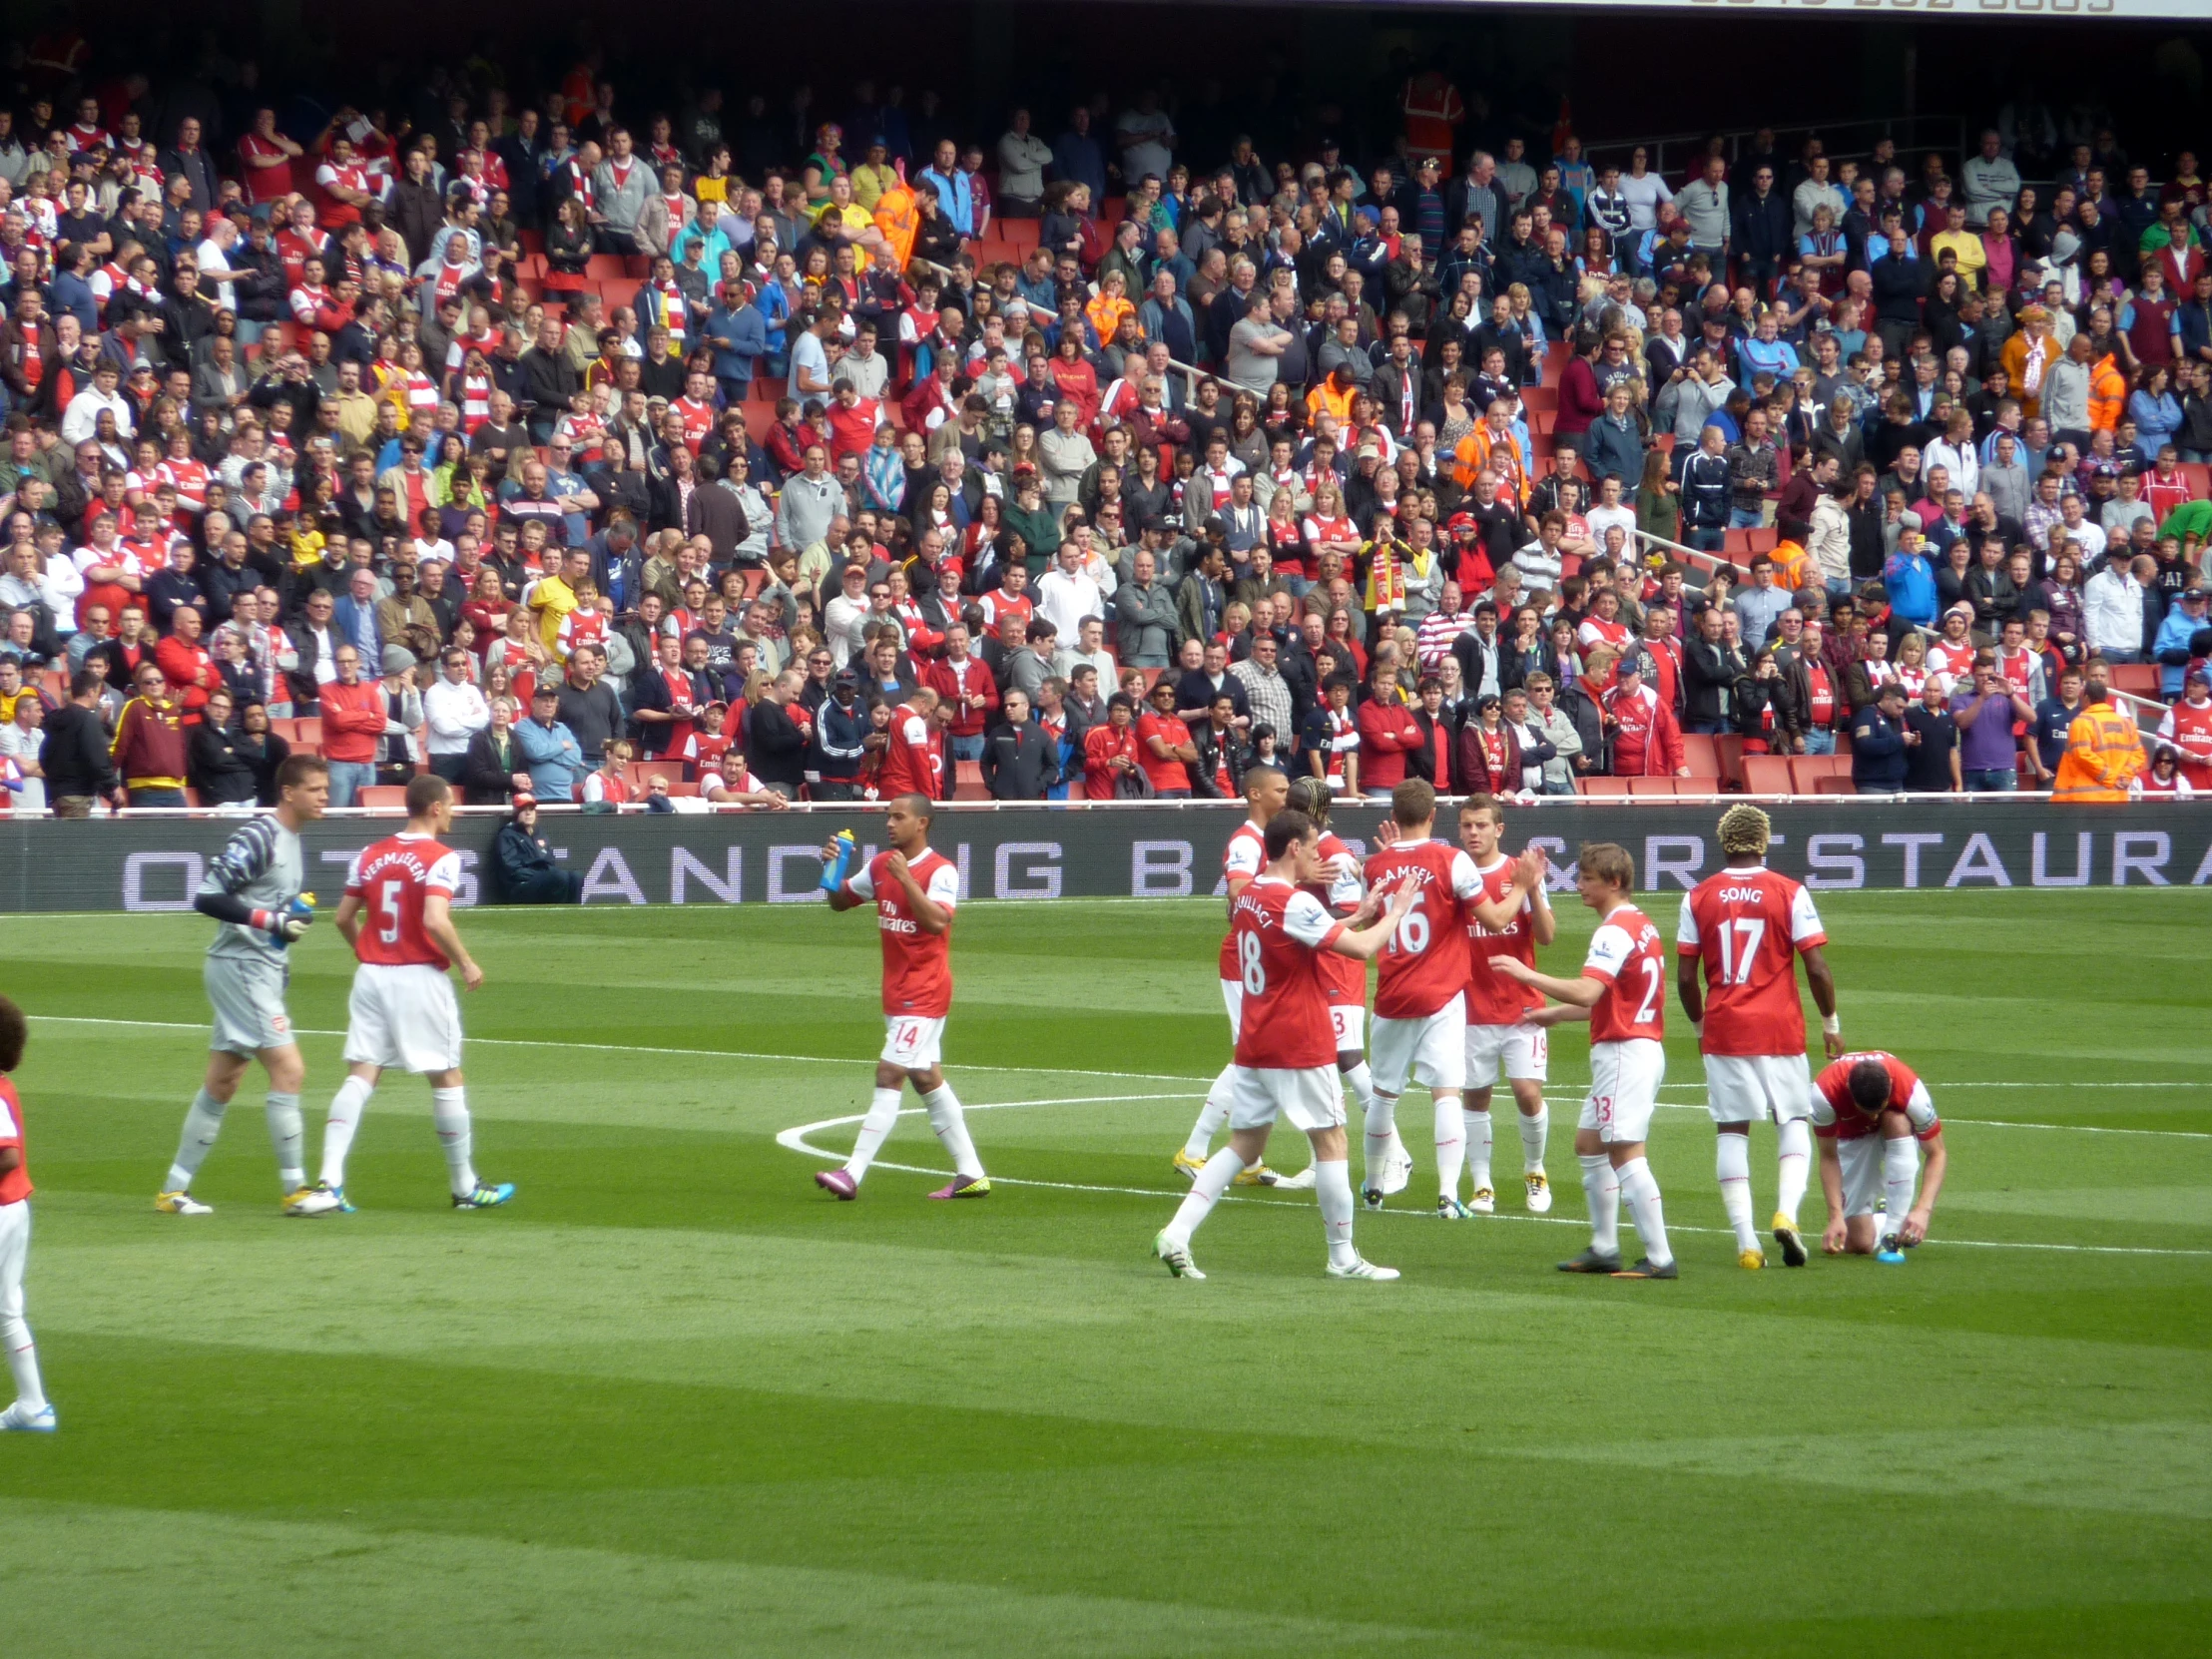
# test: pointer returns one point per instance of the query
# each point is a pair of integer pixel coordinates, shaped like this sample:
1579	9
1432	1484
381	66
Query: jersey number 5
387	910
1255	971
1736	963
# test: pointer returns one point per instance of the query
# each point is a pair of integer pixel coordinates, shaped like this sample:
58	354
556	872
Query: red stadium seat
2200	479
1767	774
1651	786
641	771
2139	678
1604	785
969	784
1833	786
1701	754
1697	788
306	729
382	798
1728	754
1540	397
1807	770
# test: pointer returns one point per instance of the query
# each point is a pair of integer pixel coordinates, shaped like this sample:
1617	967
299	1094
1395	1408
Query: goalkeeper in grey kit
254	890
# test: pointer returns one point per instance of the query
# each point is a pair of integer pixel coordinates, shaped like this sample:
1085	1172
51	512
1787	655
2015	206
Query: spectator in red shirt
1110	751
1388	733
964	681
352	726
1647	742
1164	746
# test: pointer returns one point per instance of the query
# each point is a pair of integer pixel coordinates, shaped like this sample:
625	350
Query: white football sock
1900	1167
1333	1187
1360	1081
1601	1189
1452	1146
1213	1117
1641	1190
286	1133
1480	1134
1732	1164
1382	1123
449	1116
883	1117
1220	1169
347	1107
203	1123
15	1336
1793	1142
1534	1131
950	1123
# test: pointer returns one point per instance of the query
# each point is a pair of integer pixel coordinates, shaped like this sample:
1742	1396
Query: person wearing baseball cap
523	868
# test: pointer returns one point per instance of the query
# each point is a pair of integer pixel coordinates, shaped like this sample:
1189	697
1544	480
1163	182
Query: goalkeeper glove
291	922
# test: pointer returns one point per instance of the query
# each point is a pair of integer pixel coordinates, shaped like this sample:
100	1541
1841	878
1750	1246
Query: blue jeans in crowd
1707	728
1992	780
1745	518
1819	742
348	778
1705	541
965	748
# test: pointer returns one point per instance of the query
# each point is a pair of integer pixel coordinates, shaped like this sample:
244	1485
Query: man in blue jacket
1910	580
550	752
1879	739
738	335
2183	622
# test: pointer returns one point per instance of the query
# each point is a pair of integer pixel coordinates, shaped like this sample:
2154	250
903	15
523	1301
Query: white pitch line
794	1140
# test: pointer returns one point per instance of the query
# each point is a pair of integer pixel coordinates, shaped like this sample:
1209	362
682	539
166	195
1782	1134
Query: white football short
1232	999
1431	1050
15	1251
405	1018
1860	1158
912	1042
1305	1098
1521	1051
1625	1089
248	1003
1742	1087
1349	1020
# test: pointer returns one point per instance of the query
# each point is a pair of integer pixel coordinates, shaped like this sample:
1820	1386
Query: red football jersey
909	758
1245	856
1628	955
1493	999
1426	963
1748	926
1280	931
918	966
1833	1082
1342	978
15	1186
391	879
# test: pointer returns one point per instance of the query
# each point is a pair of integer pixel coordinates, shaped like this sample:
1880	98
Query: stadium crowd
612	455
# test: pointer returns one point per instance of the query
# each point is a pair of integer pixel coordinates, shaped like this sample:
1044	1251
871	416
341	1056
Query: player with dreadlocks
1746	927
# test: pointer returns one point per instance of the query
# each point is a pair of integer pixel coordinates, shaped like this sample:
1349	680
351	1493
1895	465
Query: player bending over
915	892
1860	1101
254	890
398	917
1746	927
31	1412
1284	1060
1622	993
1345	978
1512	918
1267	791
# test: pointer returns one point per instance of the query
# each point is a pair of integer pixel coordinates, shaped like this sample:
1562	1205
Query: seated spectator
733	785
522	863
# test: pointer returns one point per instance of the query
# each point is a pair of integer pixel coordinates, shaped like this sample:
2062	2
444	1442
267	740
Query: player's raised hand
1534	865
1387	833
1402	900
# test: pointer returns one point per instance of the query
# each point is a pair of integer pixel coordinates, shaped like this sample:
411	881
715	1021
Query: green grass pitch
677	1400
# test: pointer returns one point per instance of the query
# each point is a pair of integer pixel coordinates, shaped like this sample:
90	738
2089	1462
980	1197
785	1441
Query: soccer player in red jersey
31	1412
1622	993
1266	790
398	917
914	890
1420	999
1746	927
1858	1101
1500	1035
1285	1053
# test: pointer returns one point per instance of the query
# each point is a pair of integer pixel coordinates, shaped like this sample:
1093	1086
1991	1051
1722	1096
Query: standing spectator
1145	613
588	709
965	684
1110	767
1266	689
2112	612
1389	732
353	723
1881	746
1164	747
1983	713
1647	743
1931	764
74	755
1711	666
453	711
550	754
2187	728
1020	761
777	732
